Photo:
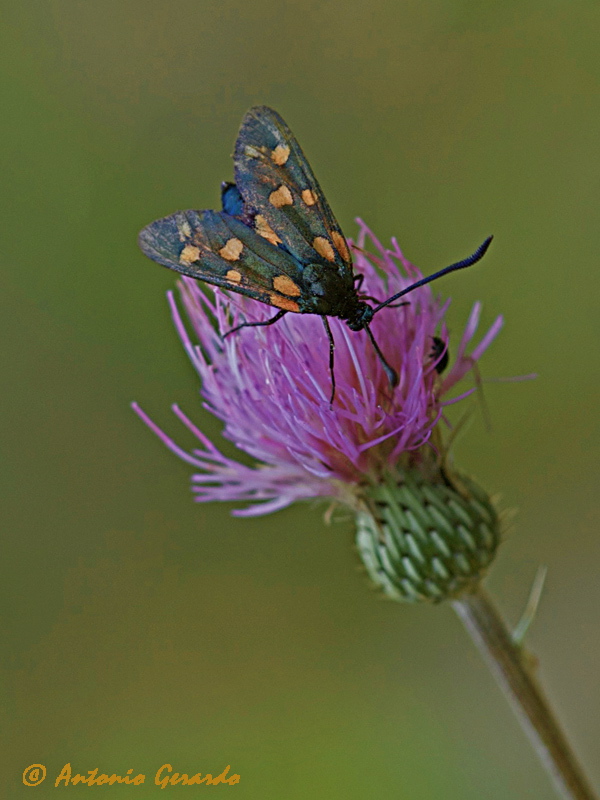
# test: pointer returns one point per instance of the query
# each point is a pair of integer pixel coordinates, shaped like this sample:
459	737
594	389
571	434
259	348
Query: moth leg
375	300
396	305
359	280
391	374
331	358
369	297
276	318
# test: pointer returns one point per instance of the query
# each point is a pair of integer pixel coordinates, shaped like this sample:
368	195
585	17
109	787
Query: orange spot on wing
281	154
231	250
324	248
233	276
309	197
340	245
281	197
286	285
189	254
283	302
263	229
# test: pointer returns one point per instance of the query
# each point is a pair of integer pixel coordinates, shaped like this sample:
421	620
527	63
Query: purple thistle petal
488	338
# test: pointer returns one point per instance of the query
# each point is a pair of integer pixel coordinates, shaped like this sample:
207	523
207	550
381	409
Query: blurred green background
140	628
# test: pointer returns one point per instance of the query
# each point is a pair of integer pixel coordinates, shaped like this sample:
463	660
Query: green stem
512	669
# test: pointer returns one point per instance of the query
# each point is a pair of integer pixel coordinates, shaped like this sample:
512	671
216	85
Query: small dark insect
440	353
276	239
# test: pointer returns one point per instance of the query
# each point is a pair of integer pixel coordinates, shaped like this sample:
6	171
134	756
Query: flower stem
513	669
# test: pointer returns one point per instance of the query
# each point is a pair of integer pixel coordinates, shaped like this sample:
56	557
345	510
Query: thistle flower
271	388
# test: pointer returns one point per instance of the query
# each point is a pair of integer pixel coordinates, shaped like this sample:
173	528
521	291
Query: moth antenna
466	262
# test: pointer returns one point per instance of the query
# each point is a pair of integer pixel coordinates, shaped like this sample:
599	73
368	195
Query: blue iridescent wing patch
231	199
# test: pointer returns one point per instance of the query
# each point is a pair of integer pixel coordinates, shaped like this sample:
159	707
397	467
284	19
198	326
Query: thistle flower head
271	388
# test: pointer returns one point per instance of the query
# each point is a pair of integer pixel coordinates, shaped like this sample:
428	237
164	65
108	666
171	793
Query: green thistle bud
426	540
